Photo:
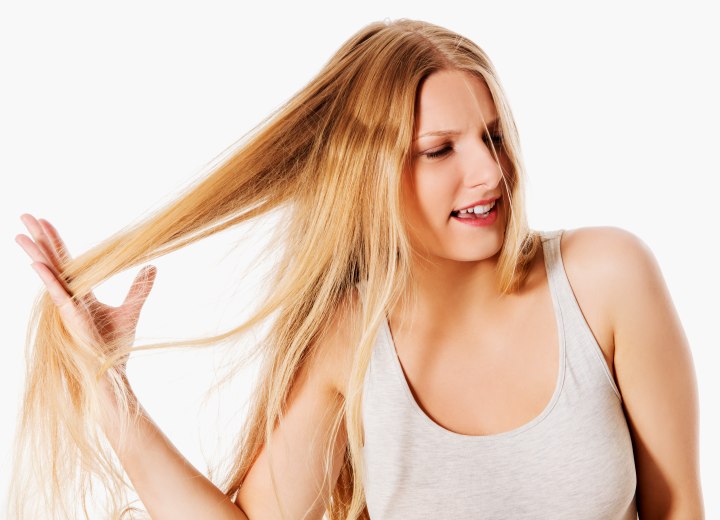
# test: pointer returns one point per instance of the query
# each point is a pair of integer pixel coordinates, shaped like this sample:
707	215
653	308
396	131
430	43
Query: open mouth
471	215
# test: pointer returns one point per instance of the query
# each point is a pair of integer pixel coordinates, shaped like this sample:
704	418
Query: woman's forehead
451	98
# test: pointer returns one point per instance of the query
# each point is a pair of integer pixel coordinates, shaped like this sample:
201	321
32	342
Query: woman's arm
168	485
656	377
171	488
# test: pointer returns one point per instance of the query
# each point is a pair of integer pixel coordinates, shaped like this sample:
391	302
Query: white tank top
573	461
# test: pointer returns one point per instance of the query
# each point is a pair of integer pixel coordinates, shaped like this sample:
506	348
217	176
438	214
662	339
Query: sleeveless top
573	461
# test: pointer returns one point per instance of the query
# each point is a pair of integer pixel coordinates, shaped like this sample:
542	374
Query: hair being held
333	157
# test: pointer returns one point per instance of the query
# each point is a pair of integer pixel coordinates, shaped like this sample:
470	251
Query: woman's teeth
475	211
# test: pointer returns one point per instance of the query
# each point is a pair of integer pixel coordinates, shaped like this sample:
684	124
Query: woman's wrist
111	404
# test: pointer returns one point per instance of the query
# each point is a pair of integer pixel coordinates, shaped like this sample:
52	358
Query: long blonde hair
333	156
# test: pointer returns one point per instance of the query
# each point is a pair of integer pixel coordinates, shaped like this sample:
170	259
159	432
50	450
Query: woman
431	356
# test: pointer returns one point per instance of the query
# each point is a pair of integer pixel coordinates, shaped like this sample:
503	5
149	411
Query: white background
108	109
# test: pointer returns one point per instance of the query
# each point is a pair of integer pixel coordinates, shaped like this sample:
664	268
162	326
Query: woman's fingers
49	254
36	255
58	244
140	289
62	252
71	312
31	249
43	242
76	316
49	249
57	292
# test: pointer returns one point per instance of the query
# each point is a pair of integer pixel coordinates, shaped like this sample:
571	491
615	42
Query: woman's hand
87	318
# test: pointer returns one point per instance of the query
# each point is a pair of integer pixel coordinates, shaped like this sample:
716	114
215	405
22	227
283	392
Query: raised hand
86	317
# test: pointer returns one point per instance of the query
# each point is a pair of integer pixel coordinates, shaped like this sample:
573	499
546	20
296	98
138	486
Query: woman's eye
438	153
497	138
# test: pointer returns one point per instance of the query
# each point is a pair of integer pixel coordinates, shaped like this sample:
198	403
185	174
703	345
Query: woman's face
455	169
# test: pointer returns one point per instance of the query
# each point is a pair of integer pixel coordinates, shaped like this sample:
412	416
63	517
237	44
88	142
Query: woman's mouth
485	215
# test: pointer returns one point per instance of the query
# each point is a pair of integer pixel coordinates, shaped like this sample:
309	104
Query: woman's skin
156	469
49	253
466	338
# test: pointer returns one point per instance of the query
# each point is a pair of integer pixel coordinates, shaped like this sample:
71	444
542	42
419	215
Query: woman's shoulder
600	263
600	254
603	249
334	348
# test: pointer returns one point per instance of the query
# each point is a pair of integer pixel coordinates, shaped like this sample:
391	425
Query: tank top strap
584	355
559	284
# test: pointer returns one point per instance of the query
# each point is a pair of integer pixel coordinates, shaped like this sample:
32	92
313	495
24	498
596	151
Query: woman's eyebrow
438	132
491	125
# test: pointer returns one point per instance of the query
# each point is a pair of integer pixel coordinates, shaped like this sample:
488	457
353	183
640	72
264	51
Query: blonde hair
333	156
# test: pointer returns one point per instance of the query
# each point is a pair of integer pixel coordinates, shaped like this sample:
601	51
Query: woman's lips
480	221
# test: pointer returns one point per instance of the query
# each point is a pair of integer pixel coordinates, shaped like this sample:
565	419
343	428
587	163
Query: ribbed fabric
572	461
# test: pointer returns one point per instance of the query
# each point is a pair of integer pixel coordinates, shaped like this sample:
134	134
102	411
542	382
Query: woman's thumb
141	286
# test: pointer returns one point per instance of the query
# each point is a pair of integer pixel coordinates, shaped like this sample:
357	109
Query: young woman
431	356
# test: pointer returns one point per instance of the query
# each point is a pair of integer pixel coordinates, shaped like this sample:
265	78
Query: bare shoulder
611	260
596	259
333	351
302	470
606	246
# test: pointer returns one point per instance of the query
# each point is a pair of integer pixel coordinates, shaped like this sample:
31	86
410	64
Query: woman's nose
480	165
